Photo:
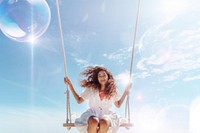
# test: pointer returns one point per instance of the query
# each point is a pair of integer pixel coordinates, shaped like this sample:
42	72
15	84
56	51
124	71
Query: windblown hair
91	81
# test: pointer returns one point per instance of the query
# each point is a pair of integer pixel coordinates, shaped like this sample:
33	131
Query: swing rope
127	107
68	108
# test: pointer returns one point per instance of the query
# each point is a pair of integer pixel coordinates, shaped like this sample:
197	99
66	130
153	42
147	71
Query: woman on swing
102	93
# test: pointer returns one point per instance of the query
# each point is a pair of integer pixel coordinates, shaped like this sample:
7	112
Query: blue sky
165	96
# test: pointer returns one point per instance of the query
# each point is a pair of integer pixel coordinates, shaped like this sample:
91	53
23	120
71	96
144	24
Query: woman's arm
76	96
126	92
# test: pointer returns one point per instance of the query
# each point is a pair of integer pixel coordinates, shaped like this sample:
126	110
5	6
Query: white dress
99	108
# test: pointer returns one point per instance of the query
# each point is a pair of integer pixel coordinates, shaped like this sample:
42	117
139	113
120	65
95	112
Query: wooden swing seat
122	125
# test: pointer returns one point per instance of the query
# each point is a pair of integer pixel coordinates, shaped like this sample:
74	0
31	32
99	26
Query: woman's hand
76	96
67	81
126	92
128	87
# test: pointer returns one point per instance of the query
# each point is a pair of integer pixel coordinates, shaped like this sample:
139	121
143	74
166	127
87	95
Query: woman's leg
104	125
93	123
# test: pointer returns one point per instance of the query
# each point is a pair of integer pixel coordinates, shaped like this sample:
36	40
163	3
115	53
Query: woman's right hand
76	96
67	81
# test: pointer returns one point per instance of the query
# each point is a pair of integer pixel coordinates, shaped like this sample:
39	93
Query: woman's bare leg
103	126
93	123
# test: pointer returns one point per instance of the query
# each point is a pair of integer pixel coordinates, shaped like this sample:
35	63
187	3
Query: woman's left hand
128	87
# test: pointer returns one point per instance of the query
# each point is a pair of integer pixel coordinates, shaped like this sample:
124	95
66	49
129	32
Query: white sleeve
86	93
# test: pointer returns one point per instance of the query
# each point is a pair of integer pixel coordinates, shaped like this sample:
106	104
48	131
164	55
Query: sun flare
123	78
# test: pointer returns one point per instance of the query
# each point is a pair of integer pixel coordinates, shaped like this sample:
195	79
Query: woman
102	93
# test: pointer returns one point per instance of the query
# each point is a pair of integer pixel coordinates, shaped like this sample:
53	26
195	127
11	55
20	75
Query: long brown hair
91	81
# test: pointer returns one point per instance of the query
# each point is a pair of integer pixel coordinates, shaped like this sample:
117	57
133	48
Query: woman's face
102	77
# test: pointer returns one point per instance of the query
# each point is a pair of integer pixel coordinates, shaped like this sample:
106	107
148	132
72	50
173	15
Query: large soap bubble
24	20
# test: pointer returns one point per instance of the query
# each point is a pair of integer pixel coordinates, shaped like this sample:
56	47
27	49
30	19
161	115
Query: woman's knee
93	121
104	123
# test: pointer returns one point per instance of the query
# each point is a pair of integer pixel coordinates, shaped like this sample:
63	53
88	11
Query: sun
32	39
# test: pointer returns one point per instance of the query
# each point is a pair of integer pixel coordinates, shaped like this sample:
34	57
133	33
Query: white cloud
120	55
141	65
82	62
192	78
169	50
143	75
173	76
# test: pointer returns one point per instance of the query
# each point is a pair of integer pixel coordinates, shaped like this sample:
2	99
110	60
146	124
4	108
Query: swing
69	123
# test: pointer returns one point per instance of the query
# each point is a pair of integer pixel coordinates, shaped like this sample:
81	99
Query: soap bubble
24	20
